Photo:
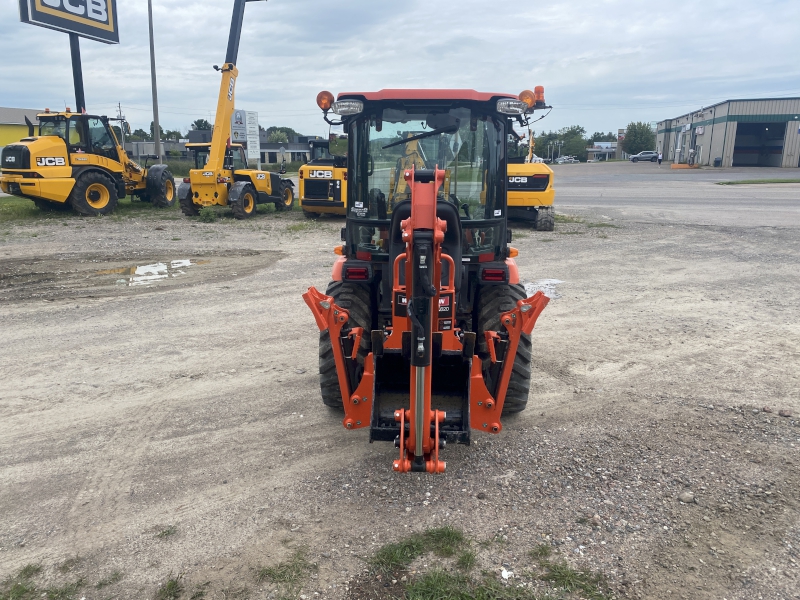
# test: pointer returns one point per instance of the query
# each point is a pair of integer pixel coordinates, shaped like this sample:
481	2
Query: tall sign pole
77	72
92	19
156	127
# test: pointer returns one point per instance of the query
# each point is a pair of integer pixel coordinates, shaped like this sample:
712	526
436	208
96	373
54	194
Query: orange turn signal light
527	97
339	250
512	252
325	100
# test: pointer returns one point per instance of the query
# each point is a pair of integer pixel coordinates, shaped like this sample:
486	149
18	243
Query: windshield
57	127
465	144
320	152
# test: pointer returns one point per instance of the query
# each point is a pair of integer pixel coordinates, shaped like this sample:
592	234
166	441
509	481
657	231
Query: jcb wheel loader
425	328
76	161
323	181
224	179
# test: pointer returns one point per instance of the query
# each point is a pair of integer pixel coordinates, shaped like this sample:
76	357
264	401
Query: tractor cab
81	133
425	325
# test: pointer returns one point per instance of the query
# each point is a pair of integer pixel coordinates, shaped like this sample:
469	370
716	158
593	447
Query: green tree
638	137
277	137
202	124
139	135
173	135
290	133
153	131
599	136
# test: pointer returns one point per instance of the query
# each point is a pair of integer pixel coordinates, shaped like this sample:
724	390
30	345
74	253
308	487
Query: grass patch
559	218
443	541
302	226
29	571
603	225
115	577
64	592
439	585
541	552
167	532
757	181
207	214
20	586
289	574
559	574
170	589
466	560
18	209
571	232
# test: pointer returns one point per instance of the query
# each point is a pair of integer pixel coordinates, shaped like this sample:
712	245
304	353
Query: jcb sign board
94	19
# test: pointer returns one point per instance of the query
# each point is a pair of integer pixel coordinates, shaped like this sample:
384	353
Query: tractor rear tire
94	194
492	302
545	219
166	197
287	198
188	207
357	301
246	205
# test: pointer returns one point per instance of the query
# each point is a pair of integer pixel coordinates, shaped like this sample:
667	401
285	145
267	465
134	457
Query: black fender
235	193
119	182
184	191
154	178
289	181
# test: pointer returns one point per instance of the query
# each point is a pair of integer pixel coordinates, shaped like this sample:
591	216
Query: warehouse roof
16	116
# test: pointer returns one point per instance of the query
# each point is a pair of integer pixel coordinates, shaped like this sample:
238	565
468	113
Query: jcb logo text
50	161
321	174
94	9
517	180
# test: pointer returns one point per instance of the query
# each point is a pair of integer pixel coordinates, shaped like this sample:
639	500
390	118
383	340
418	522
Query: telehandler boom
221	181
425	327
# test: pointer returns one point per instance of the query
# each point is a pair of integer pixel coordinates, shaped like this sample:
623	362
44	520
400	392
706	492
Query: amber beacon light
325	100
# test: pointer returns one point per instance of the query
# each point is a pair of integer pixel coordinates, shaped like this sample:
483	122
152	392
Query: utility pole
77	72
156	126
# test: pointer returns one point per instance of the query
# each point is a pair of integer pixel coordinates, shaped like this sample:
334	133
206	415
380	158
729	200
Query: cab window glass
238	159
100	136
76	133
55	127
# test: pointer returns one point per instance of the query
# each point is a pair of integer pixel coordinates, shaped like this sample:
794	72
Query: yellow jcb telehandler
224	178
76	161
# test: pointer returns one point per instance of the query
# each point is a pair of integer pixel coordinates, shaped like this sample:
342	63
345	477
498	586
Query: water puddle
546	286
148	274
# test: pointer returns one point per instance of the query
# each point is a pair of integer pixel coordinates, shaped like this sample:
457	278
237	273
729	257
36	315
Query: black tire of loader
493	301
287	198
81	196
545	219
356	299
188	207
246	206
167	192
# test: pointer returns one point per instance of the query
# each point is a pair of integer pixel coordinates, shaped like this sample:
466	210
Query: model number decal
208	174
50	161
320	174
518	180
230	89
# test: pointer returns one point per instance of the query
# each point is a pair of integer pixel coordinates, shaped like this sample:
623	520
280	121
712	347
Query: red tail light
300	174
541	176
359	273
345	175
493	275
187	180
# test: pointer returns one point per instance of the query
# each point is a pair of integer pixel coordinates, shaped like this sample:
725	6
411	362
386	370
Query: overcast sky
603	63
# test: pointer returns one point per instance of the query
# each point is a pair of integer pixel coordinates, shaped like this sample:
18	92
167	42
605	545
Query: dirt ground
161	417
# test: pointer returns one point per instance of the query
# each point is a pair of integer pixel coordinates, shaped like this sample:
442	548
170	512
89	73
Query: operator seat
451	246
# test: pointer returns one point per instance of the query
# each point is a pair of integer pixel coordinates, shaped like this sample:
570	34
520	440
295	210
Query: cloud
604	63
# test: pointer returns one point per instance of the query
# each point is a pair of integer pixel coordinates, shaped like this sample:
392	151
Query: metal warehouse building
738	133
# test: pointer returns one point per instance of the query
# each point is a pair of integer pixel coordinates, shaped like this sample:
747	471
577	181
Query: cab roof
420	94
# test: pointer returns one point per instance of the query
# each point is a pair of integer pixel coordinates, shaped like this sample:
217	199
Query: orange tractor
425	328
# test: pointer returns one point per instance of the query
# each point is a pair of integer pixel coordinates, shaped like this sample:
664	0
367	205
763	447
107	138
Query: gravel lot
171	427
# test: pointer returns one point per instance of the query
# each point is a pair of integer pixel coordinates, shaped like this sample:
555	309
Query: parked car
645	156
566	159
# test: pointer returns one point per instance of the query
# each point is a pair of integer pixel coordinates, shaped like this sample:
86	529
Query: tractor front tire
545	219
287	198
245	207
188	207
357	301
94	194
166	196
493	301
